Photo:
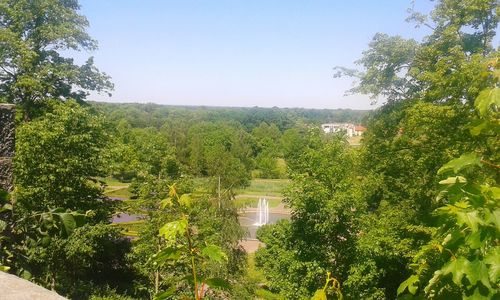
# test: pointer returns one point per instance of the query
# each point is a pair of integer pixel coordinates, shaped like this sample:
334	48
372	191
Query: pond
248	221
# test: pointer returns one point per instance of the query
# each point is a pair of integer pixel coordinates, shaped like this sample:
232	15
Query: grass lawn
242	202
119	193
130	228
249	196
116	189
114	182
265	187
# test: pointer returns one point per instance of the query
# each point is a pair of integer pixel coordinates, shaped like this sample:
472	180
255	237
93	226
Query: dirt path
251	246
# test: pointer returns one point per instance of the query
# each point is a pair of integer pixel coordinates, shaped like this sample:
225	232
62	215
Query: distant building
350	129
359	130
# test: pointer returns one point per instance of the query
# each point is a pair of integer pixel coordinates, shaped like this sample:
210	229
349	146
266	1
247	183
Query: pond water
122	218
248	221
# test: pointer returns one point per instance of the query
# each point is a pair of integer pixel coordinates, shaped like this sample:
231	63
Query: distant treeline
154	115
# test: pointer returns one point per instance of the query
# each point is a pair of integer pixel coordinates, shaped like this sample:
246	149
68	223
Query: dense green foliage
154	115
58	158
211	220
304	247
33	35
428	120
464	253
56	228
226	142
413	212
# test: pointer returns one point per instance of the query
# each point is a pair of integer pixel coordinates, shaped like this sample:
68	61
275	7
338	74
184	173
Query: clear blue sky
238	52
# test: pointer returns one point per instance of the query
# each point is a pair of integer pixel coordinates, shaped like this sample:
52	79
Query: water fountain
262	212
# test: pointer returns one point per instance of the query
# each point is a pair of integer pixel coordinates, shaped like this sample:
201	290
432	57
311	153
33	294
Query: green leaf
410	283
166	203
166	294
474	240
25	274
495	218
218	283
493	260
68	221
45	241
6	207
319	295
474	194
172	229
80	219
476	130
4	268
214	253
471	219
453	180
185	200
458	164
457	268
478	271
486	99
169	253
462	204
3	225
495	192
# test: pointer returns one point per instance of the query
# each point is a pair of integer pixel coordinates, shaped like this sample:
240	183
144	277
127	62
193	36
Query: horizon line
224	106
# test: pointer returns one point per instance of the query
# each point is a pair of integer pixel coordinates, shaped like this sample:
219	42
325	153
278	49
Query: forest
410	210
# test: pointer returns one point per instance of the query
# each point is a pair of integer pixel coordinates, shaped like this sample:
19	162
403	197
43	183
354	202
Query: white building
350	129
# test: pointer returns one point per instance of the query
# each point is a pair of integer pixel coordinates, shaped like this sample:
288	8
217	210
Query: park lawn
258	187
244	202
250	195
110	181
265	187
115	188
131	228
122	193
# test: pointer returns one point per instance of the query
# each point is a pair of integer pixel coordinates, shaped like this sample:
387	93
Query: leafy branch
180	241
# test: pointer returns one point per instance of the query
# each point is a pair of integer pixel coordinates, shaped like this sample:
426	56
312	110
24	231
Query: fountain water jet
262	212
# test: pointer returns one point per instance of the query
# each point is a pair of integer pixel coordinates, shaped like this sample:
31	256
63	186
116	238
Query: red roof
359	128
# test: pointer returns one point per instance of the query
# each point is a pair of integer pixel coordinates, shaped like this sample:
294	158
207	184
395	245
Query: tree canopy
34	35
409	212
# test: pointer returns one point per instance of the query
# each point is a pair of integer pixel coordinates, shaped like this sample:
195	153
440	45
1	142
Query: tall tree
321	234
462	259
447	66
58	160
430	88
221	150
33	36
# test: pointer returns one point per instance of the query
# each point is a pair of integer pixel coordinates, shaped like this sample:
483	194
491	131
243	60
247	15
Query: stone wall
7	145
15	288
